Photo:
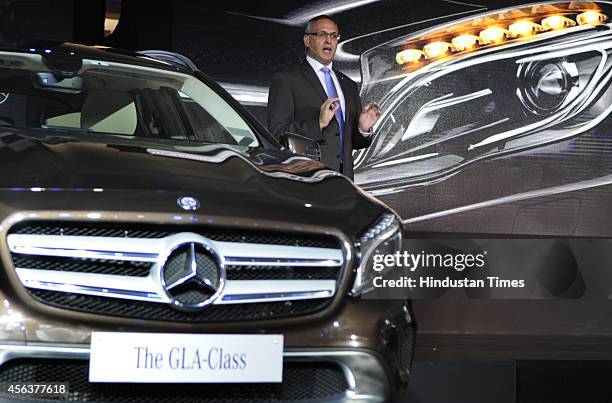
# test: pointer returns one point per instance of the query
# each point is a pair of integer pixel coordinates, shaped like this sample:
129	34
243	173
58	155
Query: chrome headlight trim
385	237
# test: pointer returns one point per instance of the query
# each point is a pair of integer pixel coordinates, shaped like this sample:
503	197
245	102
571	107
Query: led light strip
497	34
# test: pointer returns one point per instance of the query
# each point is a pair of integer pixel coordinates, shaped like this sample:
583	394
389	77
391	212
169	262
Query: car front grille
129	270
302	381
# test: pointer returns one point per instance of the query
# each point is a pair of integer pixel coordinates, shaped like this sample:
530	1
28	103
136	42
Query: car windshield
120	99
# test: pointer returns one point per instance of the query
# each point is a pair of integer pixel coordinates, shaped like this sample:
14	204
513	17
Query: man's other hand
328	110
368	116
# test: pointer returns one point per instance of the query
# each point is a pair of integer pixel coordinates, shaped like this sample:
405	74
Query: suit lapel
312	78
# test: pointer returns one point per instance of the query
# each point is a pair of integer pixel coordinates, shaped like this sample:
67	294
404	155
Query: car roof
78	51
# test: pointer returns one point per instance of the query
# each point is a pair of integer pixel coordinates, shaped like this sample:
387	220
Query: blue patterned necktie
333	93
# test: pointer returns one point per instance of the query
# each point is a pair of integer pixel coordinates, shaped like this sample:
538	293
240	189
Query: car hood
72	173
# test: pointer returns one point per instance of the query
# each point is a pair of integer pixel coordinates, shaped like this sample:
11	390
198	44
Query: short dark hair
317	18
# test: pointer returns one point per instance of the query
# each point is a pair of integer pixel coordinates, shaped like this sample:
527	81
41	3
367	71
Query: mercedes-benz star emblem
192	276
188	203
3	97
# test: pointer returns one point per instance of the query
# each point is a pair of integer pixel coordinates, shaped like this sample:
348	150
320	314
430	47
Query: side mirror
301	145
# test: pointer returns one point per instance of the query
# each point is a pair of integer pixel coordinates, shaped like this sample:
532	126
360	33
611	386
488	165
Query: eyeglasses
334	36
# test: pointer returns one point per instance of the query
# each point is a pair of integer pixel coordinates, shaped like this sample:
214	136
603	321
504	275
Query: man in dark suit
318	102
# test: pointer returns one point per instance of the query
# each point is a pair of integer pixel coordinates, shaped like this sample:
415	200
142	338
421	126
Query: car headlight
481	87
384	237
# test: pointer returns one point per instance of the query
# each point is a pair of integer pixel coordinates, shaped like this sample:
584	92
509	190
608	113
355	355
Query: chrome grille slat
151	250
147	250
157	231
241	254
105	285
237	291
138	249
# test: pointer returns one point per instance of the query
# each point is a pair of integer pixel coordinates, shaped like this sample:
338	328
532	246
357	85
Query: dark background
468	349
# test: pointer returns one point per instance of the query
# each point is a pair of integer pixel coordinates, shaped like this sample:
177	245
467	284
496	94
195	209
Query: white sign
185	358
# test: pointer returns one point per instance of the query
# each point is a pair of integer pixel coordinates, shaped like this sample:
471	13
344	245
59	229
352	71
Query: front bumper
361	353
363	370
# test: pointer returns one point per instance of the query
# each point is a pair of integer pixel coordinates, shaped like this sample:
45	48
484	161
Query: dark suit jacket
294	103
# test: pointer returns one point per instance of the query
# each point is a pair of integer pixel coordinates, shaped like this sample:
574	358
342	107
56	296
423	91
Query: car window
208	129
119	99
